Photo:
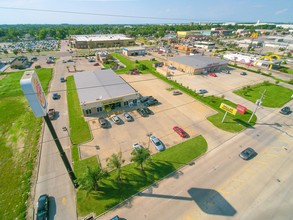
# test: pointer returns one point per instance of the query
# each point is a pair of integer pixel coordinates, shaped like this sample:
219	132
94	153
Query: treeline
10	33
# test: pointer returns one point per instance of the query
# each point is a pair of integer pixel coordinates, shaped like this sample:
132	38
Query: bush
277	82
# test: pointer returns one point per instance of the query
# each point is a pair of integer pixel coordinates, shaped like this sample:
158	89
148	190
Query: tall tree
90	181
115	162
15	52
141	156
5	52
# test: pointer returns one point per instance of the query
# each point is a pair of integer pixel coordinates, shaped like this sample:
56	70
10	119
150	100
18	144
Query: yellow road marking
63	200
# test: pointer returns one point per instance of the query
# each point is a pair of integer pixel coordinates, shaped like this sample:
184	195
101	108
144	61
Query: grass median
113	192
275	96
19	136
79	128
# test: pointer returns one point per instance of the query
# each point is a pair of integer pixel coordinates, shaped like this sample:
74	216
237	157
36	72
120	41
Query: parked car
226	71
64	61
172	67
55	95
136	146
43	207
147	110
115	218
243	73
151	102
180	131
177	92
51	113
143	99
62	79
103	122
128	117
158	144
142	112
96	64
285	111
247	154
213	74
70	60
115	119
202	91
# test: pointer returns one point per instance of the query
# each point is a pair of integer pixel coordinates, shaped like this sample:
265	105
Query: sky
176	11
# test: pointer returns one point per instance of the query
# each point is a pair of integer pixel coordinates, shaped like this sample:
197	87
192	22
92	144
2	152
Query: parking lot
180	110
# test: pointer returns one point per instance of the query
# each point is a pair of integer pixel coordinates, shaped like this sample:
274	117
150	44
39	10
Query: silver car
137	146
127	116
115	119
201	91
158	144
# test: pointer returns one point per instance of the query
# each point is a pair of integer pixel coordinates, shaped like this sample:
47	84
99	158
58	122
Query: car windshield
157	143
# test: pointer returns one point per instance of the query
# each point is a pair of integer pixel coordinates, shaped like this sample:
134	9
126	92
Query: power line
98	14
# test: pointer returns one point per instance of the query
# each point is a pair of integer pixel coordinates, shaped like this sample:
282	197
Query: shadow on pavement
211	202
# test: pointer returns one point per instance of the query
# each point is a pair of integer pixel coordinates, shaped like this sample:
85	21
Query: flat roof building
204	45
197	64
133	51
100	40
103	90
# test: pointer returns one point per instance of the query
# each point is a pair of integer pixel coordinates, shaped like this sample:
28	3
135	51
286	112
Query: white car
158	144
201	91
127	116
115	119
137	146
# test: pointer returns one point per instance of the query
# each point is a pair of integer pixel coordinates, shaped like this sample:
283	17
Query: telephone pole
258	104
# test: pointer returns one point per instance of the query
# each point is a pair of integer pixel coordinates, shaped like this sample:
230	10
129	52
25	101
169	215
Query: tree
15	52
115	162
38	51
141	156
92	177
30	50
5	52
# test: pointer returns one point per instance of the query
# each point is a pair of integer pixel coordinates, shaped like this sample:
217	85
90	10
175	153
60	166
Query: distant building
20	62
101	55
204	45
197	64
187	34
133	51
285	42
103	91
100	41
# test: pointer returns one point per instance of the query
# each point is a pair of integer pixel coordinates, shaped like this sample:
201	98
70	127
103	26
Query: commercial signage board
34	93
241	109
228	108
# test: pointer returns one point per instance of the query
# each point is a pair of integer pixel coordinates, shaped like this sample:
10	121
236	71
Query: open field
20	132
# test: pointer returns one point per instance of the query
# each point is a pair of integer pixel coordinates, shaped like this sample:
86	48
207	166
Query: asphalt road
52	176
220	185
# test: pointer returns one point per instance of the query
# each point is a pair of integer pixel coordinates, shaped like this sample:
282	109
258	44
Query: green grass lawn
79	129
275	96
19	135
235	123
112	192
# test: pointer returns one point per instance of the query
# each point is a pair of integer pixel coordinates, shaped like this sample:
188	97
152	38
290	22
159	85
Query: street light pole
65	129
258	103
148	135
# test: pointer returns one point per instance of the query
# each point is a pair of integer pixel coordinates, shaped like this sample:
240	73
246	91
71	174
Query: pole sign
241	109
33	91
228	108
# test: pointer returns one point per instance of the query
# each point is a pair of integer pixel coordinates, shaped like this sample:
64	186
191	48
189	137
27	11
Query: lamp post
65	129
148	135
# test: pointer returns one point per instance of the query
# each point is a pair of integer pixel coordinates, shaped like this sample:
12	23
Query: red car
180	131
213	75
96	64
51	113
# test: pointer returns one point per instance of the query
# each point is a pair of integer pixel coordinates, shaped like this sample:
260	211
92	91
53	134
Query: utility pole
258	104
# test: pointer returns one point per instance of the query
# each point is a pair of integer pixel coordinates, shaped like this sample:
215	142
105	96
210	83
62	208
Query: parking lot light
65	129
148	135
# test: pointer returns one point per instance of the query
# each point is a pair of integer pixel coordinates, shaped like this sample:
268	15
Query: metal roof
198	61
100	85
100	37
133	48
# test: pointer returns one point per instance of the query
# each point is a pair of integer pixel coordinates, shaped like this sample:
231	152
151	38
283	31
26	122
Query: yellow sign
228	108
254	35
112	101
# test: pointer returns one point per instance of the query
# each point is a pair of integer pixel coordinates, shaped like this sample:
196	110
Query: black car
147	110
103	122
151	102
142	112
247	154
43	207
285	111
144	99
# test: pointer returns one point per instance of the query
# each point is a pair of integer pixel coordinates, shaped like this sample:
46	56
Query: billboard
33	91
228	108
241	109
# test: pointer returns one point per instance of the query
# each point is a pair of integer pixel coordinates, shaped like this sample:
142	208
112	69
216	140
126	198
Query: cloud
281	11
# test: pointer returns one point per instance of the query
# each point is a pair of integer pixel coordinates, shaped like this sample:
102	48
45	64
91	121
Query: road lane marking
64	200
